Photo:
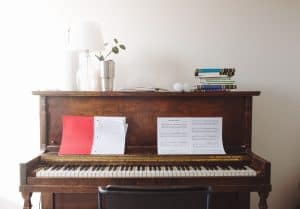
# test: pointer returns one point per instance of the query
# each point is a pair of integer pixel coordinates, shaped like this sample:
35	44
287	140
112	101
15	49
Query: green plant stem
107	55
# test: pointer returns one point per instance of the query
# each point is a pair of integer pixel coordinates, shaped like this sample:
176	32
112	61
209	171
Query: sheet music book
93	135
189	135
109	135
77	135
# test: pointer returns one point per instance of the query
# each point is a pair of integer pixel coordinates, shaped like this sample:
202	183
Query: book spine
217	83
216	87
208	70
215	71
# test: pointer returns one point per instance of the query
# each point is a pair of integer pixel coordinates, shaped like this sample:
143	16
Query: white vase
88	80
87	76
69	73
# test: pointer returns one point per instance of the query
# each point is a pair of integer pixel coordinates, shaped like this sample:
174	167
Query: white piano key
220	171
252	172
232	171
204	171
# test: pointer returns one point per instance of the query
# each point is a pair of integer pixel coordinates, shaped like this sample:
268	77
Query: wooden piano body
141	110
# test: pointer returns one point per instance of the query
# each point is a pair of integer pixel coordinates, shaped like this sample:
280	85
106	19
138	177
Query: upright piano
71	181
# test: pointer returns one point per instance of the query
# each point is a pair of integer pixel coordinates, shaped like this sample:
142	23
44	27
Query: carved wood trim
248	122
27	200
263	200
43	123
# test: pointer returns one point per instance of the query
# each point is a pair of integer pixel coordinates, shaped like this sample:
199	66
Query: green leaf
101	58
116	41
115	50
122	46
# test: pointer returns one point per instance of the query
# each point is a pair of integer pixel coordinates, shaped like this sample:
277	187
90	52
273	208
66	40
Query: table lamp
84	38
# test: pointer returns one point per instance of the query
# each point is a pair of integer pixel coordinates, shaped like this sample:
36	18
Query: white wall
166	40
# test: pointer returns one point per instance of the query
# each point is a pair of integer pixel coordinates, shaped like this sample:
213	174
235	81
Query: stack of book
215	79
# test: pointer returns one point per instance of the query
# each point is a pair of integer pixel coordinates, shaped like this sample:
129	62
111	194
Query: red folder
77	135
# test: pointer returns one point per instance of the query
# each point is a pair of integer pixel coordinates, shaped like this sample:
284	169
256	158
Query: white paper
109	135
189	135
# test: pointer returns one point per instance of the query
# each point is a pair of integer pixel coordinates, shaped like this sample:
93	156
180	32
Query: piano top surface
145	93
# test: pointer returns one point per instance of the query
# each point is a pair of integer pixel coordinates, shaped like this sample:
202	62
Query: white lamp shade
86	36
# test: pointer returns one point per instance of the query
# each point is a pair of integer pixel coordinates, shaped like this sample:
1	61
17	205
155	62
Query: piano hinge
245	148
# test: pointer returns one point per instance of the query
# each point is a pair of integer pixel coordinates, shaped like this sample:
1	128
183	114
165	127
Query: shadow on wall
165	68
276	137
156	70
7	204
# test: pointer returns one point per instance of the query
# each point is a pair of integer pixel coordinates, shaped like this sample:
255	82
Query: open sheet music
189	135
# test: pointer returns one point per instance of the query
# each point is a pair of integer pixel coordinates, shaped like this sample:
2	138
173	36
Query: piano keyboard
75	171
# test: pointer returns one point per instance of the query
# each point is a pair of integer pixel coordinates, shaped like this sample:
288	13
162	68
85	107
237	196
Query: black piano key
241	167
223	167
53	167
58	167
207	167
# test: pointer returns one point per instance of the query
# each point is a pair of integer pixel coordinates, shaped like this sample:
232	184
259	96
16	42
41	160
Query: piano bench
138	197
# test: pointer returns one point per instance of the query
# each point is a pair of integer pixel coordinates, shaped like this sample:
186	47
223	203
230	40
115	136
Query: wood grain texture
142	110
48	200
220	200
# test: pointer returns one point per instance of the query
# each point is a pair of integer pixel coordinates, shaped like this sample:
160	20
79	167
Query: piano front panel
142	112
220	200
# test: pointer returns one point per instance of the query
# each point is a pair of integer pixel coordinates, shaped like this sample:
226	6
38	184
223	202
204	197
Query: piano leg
263	199
27	200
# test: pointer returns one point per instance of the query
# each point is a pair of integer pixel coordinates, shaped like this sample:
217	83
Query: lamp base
87	76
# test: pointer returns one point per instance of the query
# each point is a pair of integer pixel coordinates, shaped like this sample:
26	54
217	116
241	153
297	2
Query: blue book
214	71
212	86
209	70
